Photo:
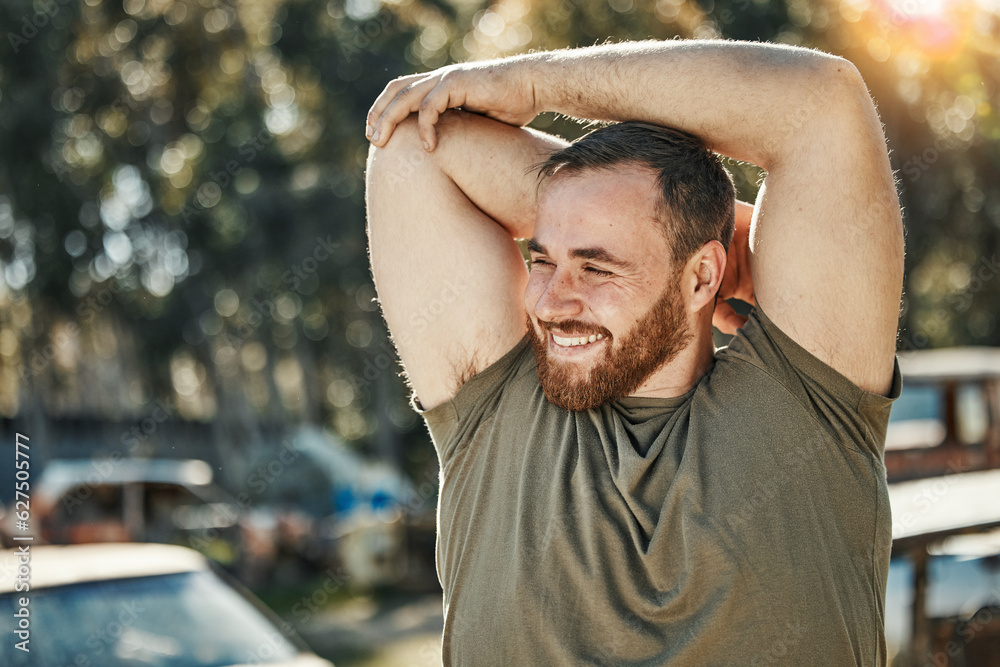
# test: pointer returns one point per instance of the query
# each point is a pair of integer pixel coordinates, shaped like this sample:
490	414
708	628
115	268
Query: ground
383	629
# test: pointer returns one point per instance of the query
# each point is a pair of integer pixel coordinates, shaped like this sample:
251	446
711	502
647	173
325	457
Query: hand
737	283
501	89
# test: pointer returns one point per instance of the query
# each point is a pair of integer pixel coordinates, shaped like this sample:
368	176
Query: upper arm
449	277
827	239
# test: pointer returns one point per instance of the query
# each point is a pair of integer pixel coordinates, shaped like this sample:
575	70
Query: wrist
538	75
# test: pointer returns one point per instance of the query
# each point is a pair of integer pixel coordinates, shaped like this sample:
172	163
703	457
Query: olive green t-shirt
743	523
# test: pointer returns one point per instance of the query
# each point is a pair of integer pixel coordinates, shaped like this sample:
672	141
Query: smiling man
670	180
613	489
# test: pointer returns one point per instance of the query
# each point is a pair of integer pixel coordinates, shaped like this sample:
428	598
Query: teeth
573	342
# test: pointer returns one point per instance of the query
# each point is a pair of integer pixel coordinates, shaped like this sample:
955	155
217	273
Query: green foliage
181	204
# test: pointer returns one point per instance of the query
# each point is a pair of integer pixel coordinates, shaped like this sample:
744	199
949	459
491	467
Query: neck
685	369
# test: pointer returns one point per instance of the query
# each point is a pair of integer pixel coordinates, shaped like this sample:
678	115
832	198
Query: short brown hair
697	197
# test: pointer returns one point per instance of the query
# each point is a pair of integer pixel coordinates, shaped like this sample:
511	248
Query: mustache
570	327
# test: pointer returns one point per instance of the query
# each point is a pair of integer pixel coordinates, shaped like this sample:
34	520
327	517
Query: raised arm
826	240
441	229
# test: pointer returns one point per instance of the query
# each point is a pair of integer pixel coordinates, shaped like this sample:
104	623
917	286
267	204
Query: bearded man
614	490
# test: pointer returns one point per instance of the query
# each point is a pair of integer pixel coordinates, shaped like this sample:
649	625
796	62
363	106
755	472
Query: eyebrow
595	254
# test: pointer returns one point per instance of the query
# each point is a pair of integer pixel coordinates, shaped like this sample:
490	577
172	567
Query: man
613	490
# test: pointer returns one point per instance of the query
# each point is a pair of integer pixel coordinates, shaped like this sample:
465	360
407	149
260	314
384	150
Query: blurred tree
181	212
181	205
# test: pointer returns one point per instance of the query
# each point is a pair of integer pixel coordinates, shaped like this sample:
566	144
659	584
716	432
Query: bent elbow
848	89
832	101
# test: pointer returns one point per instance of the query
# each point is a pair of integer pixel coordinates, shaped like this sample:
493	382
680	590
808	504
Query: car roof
58	565
932	508
952	363
60	475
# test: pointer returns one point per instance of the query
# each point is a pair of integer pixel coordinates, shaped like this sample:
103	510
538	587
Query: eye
539	262
598	272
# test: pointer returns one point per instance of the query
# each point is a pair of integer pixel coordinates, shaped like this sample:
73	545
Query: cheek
533	291
613	311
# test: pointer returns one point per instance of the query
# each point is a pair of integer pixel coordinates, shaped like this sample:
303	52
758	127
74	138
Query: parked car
133	500
947	418
125	605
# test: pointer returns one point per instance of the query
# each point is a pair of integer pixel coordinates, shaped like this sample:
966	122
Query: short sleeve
480	395
846	409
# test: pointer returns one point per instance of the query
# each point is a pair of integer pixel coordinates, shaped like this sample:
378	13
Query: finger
435	103
396	109
385	97
727	320
405	102
720	317
732	324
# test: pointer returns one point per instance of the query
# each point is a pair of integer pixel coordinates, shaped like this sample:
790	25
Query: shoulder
765	371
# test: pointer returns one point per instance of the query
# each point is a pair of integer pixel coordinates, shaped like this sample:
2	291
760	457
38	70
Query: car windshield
918	416
191	619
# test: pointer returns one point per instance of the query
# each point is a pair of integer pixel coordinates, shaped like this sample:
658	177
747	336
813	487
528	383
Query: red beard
654	340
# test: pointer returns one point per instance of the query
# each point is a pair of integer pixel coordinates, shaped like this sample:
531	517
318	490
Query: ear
705	270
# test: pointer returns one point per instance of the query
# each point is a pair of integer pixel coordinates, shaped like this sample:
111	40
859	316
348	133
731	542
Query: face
603	302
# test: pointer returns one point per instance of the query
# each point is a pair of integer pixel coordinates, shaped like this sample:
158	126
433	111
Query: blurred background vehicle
313	506
126	500
125	605
947	418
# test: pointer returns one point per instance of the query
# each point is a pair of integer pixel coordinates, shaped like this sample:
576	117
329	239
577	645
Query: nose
558	299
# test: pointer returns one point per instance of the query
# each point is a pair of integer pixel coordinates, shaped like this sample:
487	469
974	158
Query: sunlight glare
920	9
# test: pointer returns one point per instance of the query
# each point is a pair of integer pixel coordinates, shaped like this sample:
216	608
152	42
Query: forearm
491	163
747	100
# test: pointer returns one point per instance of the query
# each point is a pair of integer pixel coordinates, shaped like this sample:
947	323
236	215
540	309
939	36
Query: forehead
611	209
